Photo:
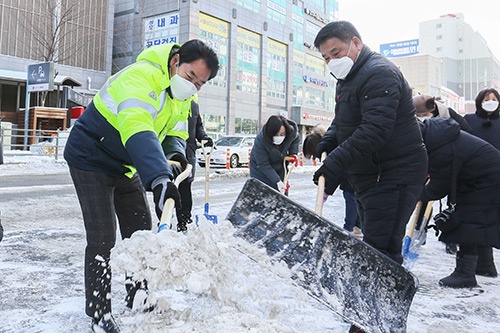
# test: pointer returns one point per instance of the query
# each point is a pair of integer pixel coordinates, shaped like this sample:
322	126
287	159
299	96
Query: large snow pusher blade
352	278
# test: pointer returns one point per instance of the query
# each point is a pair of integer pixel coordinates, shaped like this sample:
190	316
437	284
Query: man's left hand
209	142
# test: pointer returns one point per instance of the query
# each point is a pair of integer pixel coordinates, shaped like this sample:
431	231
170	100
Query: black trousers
385	210
102	199
185	185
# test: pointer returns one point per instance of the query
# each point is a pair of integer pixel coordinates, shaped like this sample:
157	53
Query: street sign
40	77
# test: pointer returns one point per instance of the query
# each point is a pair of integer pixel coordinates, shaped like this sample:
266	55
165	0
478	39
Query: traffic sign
40	77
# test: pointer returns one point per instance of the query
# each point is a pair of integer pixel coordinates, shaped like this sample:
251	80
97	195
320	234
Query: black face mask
486	124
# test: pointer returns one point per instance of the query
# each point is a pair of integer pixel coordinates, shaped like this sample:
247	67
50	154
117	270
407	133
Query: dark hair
274	124
342	30
195	49
309	147
482	94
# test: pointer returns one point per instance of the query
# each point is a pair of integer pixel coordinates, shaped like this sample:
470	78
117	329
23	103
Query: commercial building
268	63
453	61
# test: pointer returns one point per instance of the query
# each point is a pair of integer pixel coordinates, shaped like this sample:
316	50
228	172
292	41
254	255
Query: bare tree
60	30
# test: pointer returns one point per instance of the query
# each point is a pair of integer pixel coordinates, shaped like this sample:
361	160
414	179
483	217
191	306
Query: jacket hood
158	55
439	131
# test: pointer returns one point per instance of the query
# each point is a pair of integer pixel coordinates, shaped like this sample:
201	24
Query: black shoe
132	288
183	219
355	329
106	325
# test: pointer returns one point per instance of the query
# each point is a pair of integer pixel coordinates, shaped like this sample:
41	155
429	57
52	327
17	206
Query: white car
238	147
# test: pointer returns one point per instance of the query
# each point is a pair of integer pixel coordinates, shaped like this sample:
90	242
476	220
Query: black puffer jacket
374	135
266	159
478	180
486	126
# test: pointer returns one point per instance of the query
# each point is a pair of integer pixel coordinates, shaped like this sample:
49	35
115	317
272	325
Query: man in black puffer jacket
374	138
477	166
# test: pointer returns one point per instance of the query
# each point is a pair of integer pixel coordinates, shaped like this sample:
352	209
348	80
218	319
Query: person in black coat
427	107
196	134
485	122
278	138
475	165
374	139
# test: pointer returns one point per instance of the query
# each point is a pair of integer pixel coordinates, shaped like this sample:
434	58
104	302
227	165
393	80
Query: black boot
485	264
464	274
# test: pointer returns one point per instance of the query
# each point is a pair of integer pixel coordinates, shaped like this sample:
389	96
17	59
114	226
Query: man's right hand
163	189
323	146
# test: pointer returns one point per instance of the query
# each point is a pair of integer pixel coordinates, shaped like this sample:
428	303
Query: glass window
248	61
215	33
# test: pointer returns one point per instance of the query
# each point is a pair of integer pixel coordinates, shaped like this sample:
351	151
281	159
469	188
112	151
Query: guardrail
40	142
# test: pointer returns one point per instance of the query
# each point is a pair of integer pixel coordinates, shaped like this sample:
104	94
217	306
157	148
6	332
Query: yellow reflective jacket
122	128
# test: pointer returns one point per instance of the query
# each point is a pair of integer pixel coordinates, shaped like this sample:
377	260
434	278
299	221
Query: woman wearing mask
278	138
485	123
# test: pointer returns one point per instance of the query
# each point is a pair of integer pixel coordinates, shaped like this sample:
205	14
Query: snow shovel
169	206
288	169
420	234
410	257
350	277
212	218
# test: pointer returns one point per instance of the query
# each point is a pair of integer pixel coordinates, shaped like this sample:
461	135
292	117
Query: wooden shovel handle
169	206
321	190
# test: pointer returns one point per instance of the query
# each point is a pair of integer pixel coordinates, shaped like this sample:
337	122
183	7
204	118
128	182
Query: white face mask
181	88
277	140
490	106
342	66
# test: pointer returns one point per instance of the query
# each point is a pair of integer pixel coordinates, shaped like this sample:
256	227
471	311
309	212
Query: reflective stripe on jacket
138	113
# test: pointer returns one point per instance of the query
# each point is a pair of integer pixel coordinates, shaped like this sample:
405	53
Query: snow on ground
205	281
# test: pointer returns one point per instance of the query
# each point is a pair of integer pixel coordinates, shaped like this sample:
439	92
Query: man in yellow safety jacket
114	154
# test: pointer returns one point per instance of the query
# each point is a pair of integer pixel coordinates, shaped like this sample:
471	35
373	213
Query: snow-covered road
41	270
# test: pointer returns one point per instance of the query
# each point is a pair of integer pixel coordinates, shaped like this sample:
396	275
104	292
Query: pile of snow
195	283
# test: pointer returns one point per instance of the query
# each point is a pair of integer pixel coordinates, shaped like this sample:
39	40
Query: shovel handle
414	219
288	170
207	157
321	190
169	206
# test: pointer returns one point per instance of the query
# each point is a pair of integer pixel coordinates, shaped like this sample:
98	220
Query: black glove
176	169
209	142
164	188
331	181
323	146
178	157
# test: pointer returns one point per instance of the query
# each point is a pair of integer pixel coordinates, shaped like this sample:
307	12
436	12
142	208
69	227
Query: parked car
239	151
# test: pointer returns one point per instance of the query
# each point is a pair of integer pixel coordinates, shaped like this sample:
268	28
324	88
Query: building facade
453	62
76	36
265	48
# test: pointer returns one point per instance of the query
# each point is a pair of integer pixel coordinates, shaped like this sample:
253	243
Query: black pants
385	210
185	185
103	198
